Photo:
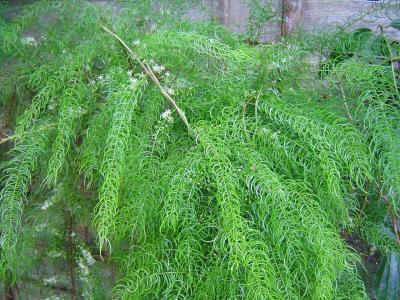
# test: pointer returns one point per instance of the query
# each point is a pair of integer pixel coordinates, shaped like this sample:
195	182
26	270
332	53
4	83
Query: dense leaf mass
252	201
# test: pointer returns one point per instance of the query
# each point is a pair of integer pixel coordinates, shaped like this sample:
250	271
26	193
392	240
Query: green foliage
250	204
388	286
17	175
395	24
260	13
124	98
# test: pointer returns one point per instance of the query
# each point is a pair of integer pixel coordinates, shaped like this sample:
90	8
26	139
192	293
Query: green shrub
250	199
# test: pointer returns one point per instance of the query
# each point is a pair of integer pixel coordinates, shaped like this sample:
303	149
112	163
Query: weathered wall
334	12
308	14
235	15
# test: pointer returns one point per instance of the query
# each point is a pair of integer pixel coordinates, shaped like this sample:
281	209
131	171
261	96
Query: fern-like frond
245	247
123	98
15	186
72	108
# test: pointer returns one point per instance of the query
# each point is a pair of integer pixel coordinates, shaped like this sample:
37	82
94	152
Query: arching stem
149	72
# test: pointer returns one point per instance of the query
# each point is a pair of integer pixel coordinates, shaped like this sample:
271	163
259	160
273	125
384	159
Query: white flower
133	82
92	82
29	40
54	254
167	115
100	77
50	280
181	83
136	42
167	74
170	91
275	65
158	69
52	105
40	227
45	205
265	130
52	298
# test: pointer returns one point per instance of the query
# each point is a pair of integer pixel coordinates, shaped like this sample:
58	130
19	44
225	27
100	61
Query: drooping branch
392	214
15	136
149	72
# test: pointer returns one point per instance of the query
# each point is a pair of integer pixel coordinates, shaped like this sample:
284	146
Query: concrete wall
334	12
307	14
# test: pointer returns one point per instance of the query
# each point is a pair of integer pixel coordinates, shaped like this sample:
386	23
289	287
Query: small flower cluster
29	40
158	68
50	280
53	298
40	227
133	80
52	105
76	111
55	254
46	204
170	91
167	115
285	58
275	65
169	79
273	134
99	78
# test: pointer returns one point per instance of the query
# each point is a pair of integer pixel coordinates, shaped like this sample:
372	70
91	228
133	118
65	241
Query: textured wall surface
308	14
334	12
235	15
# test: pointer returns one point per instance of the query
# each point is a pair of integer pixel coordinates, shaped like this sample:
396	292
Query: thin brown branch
391	59
345	102
244	112
393	216
6	139
12	137
149	72
245	104
365	202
